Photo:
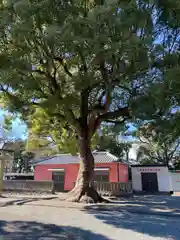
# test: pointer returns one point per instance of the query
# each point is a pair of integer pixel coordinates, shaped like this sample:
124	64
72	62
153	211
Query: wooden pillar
1	173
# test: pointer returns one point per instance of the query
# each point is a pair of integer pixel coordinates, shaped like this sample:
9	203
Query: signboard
149	170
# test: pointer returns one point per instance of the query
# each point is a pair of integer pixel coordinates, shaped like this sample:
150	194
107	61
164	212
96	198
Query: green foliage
108	141
16	157
160	141
48	137
177	163
75	64
120	150
169	13
7	125
21	162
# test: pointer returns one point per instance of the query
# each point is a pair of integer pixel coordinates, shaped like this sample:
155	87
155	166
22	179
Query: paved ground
141	218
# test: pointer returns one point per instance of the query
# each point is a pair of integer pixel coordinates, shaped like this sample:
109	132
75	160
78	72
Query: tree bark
84	190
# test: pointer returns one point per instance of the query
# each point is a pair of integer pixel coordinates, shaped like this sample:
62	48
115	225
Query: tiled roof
104	157
99	157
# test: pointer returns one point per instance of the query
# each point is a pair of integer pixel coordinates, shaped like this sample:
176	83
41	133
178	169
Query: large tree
82	62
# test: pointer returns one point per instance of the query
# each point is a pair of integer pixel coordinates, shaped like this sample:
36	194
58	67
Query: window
100	176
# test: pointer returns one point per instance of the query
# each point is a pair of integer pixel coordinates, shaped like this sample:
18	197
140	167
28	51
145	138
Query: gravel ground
50	219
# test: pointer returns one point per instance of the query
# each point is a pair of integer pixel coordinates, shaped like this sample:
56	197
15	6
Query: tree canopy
74	59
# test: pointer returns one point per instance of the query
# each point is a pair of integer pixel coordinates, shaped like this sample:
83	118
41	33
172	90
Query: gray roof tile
99	157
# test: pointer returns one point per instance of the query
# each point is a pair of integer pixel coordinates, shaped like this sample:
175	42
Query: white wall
136	179
175	179
163	177
164	180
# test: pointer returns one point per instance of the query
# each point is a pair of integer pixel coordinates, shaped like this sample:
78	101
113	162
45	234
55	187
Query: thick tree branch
121	112
84	65
93	125
64	65
71	117
84	106
39	88
84	95
51	79
116	121
142	140
95	121
107	84
99	107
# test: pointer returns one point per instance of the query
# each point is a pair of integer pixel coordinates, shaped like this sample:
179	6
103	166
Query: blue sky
18	128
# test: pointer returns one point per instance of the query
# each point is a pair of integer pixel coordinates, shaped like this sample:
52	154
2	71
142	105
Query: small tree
82	62
21	161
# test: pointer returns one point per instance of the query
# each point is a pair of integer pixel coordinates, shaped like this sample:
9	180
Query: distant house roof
99	157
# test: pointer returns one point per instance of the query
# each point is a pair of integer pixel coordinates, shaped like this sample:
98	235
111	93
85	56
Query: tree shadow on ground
151	201
158	199
22	201
24	230
149	224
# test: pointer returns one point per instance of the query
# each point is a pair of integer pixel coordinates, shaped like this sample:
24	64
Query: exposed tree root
1	196
90	195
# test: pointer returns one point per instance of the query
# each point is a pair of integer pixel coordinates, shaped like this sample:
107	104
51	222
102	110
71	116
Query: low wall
28	185
104	188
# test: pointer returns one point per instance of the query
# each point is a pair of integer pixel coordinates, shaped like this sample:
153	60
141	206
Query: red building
63	169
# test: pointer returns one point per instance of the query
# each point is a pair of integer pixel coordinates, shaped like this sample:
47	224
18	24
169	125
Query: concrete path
53	219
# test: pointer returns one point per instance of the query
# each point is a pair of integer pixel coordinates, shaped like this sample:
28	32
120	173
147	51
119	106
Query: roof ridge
56	155
99	157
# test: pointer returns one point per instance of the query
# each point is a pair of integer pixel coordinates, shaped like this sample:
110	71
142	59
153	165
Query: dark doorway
100	176
149	182
58	181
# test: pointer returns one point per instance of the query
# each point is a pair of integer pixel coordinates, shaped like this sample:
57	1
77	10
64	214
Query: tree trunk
84	190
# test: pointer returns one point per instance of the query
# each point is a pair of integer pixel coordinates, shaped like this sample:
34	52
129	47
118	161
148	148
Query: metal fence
104	188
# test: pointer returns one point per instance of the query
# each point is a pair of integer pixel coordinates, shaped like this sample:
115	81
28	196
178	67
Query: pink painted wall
71	170
118	172
123	173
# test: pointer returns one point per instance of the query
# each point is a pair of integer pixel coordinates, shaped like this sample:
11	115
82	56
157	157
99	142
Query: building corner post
1	174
